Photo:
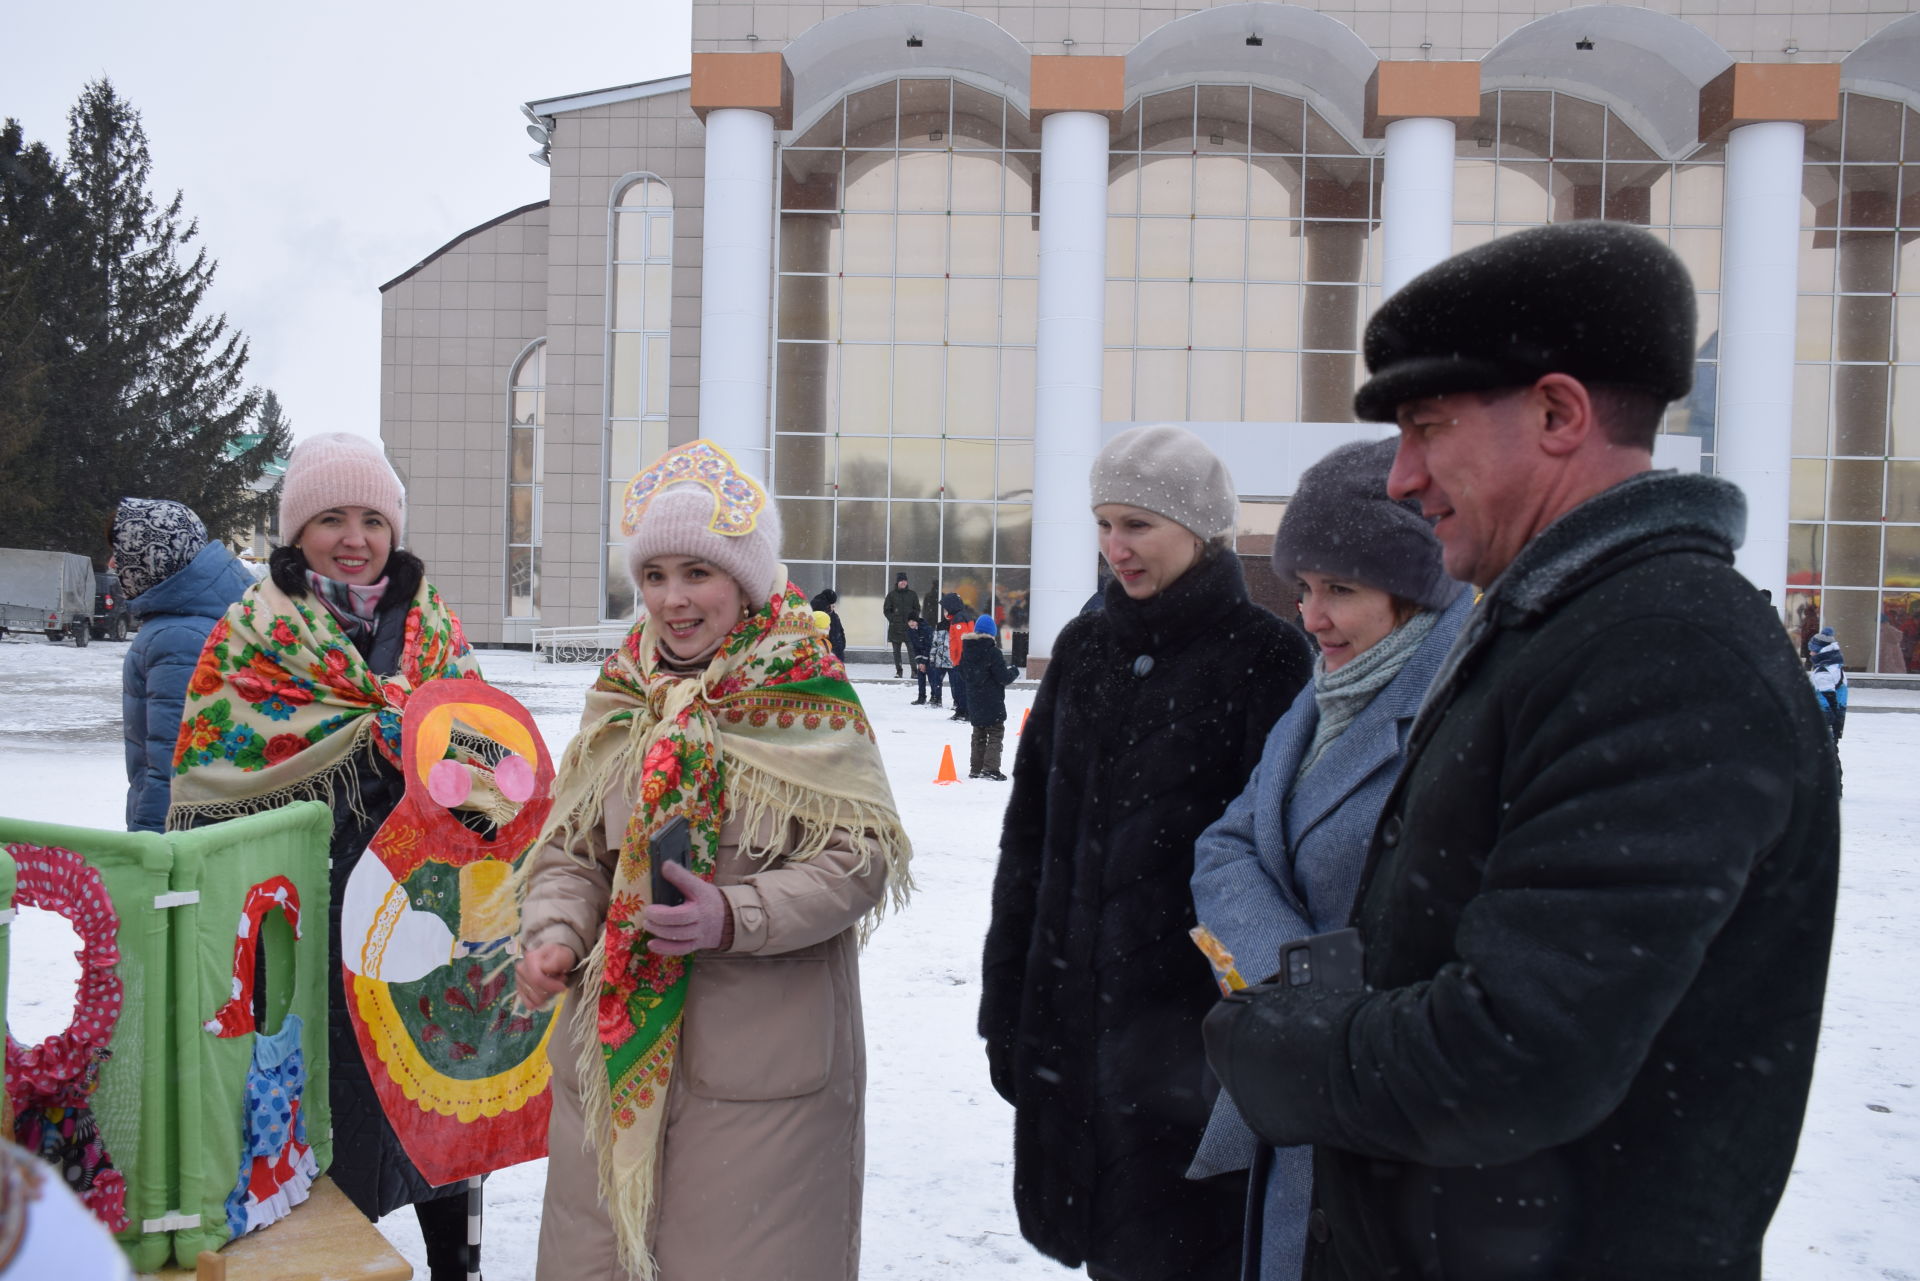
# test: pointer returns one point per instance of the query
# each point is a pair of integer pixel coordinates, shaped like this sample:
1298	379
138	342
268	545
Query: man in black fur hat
1597	909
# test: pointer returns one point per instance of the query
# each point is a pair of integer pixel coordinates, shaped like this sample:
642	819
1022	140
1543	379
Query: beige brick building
941	252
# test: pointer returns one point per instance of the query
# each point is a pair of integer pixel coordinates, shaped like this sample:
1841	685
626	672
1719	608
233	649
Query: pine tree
40	299
148	397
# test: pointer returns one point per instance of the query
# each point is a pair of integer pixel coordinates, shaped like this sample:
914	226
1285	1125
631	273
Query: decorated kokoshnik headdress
696	501
768	734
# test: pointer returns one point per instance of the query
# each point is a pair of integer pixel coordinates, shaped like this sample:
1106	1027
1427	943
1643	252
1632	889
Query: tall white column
1069	354
1759	250
736	285
1416	199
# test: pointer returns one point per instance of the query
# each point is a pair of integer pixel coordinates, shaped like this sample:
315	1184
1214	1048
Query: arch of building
1648	67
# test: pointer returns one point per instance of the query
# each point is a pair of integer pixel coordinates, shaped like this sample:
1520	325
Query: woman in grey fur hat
1284	861
1148	720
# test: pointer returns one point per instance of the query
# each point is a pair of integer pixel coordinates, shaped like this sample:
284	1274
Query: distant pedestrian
901	603
178	584
986	676
836	634
946	648
1827	668
920	647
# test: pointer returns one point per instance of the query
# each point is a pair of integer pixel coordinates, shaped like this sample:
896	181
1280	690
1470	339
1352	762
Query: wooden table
324	1239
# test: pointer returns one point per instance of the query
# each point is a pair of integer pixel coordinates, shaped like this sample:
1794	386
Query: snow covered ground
938	1139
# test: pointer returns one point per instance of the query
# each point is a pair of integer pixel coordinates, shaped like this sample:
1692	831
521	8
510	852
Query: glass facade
639	313
903	370
526	468
1242	260
1537	157
1854	536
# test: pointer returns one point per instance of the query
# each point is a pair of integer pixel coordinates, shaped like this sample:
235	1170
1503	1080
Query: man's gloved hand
1265	1044
704	921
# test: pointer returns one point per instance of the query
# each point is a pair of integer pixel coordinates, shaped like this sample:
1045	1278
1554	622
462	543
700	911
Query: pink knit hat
678	521
339	469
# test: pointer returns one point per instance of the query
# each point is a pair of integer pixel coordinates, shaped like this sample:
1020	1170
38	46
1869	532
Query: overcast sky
325	150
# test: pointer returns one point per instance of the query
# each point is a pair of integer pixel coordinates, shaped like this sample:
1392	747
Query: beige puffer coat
764	1152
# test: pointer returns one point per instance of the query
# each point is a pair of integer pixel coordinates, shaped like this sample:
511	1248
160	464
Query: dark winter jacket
987	676
1147	723
920	641
836	634
1597	911
176	614
369	1163
900	602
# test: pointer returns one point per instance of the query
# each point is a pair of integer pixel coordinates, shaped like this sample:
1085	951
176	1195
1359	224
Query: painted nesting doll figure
427	925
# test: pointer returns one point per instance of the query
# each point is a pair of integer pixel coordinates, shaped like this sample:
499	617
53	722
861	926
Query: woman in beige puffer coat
709	1072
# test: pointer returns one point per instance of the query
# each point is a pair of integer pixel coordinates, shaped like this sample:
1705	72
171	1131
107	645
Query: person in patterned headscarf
300	694
710	1055
178	584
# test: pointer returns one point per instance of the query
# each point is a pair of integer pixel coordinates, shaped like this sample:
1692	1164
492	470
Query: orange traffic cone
946	774
1024	713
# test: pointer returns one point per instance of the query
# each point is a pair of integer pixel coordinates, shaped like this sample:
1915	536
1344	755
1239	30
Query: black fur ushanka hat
1602	301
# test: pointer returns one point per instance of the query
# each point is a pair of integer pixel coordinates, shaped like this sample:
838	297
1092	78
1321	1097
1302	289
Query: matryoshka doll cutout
427	926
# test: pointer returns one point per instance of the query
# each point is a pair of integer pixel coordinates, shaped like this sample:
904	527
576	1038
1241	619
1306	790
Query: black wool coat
1597	911
987	674
900	602
1148	721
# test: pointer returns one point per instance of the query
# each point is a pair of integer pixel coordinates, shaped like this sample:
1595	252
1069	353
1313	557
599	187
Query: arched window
1240	243
526	466
639	320
903	381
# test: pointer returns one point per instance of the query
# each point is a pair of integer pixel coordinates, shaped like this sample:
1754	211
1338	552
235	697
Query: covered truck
47	592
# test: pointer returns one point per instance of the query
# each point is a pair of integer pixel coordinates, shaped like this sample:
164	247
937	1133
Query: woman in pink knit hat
710	1060
299	694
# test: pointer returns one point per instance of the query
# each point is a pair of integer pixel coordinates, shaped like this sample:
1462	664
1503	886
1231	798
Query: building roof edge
470	231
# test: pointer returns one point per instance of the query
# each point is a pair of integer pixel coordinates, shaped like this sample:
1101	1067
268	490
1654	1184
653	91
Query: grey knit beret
1169	471
1341	523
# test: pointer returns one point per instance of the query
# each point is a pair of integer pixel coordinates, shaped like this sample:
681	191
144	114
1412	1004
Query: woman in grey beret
1148	720
1284	861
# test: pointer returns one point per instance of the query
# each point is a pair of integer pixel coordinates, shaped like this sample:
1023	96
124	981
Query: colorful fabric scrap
235	1018
277	1168
48	1084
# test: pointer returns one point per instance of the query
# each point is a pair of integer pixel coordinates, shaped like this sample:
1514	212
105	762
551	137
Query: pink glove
704	921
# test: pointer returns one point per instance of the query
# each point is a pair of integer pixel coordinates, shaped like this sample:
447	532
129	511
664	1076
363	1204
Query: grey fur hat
1169	471
1602	301
1341	523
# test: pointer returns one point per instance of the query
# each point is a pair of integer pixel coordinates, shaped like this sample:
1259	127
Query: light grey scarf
1342	695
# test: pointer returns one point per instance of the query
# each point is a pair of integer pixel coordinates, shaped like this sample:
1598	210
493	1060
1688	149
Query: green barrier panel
222	864
133	1105
6	945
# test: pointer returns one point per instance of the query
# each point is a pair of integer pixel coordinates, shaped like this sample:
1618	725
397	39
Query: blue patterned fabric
276	1166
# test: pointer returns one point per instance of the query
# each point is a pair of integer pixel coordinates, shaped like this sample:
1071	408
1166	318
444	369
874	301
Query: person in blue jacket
1284	861
178	584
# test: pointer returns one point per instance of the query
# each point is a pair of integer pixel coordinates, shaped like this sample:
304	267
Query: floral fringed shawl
770	729
282	703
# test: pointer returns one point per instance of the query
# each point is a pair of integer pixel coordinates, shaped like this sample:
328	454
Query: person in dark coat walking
1598	905
986	675
901	603
823	603
177	583
920	653
1148	721
1283	861
349	613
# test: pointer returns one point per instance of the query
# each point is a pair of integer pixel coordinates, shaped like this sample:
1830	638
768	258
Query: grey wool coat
1277	867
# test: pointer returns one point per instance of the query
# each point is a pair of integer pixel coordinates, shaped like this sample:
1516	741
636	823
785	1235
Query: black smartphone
1335	961
671	844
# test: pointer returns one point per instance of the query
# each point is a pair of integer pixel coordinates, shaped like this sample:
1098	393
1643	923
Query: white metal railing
578	644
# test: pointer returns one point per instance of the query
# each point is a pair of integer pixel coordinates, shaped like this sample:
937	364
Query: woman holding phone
1284	861
711	1059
